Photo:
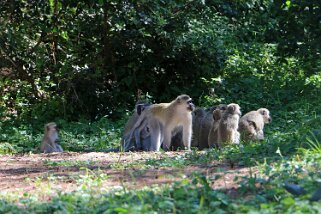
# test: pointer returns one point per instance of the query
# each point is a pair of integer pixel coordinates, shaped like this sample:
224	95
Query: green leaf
288	201
288	4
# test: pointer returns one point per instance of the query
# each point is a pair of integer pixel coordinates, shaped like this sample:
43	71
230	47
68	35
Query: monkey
228	126
201	123
142	136
133	143
251	125
49	142
163	118
126	142
213	135
139	107
198	116
206	125
177	139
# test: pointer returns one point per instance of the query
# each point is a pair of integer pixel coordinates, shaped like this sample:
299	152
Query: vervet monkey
177	140
213	135
49	142
251	125
206	125
228	126
202	123
198	115
163	118
130	143
139	107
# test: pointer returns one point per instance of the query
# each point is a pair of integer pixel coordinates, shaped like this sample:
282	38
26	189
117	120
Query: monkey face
266	115
190	105
51	127
234	109
270	120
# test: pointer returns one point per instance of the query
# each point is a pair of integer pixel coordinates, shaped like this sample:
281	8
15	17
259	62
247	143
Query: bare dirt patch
25	173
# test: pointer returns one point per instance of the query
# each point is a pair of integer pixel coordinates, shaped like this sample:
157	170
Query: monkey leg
155	136
187	136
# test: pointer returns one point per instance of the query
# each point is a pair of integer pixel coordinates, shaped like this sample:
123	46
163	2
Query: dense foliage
85	59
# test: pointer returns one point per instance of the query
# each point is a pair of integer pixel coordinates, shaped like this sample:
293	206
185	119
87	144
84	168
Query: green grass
186	196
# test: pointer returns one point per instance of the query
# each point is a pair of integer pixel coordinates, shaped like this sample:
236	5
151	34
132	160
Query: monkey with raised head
49	141
162	119
228	126
251	125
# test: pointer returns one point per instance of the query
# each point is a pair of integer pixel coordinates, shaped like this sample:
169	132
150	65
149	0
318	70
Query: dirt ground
22	172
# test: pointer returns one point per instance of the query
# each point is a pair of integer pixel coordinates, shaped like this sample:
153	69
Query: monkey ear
140	108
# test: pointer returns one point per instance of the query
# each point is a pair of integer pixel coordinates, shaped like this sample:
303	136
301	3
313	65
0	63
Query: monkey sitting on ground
177	139
202	123
213	135
251	125
162	119
198	116
206	125
228	126
135	143
141	139
49	142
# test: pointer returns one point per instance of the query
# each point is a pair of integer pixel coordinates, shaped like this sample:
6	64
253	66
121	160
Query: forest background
84	64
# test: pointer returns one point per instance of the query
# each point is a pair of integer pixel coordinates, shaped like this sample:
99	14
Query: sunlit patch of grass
7	148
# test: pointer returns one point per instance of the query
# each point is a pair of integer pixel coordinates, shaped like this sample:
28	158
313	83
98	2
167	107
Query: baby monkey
49	141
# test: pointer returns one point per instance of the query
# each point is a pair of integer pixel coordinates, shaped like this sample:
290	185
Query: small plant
314	144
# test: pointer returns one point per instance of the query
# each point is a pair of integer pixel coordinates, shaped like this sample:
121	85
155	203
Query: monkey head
221	107
141	107
51	127
52	130
185	99
234	108
217	114
266	115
